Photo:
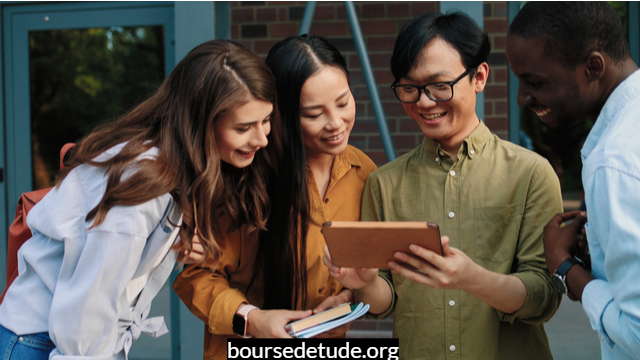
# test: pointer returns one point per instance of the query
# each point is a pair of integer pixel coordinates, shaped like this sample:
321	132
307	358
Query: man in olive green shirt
490	292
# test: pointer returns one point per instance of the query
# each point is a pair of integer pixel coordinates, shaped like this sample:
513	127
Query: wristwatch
239	324
559	278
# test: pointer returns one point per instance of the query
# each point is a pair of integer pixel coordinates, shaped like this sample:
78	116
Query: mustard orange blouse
214	296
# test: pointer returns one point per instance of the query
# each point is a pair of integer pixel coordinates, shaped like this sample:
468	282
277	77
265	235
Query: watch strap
243	312
563	269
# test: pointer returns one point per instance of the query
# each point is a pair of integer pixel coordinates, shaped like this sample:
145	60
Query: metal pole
308	17
371	82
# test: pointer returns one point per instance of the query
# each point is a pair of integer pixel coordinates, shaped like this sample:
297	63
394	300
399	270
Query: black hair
573	29
281	253
456	28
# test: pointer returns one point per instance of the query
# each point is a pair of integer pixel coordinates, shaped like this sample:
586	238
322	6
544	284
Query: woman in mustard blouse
272	277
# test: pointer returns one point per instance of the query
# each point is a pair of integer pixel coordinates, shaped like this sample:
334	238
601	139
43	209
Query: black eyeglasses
437	91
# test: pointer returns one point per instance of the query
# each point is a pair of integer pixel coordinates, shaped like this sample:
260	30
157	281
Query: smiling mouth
434	116
247	153
335	137
542	113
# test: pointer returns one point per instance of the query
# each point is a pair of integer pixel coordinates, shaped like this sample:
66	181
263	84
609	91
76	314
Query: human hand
345	296
452	270
270	323
562	242
350	277
196	255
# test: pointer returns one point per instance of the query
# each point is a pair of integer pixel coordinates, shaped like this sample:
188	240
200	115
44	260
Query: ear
595	66
482	75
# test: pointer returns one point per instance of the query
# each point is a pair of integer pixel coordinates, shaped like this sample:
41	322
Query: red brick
500	9
370	125
263	46
495	25
392	108
246	43
383	78
488	108
266	14
399	141
281	30
360	92
378	157
502	107
242	15
499	42
380	43
408	125
496	92
361	109
357	77
282	14
423	7
397	9
496	123
235	32
333	28
500	75
325	12
378	27
372	10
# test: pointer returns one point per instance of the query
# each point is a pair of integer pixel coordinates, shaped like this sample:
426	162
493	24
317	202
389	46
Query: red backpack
19	232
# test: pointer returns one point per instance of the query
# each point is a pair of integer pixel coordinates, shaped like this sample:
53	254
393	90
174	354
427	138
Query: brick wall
259	24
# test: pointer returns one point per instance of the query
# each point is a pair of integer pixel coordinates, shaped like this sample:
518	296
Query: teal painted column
514	109
195	23
473	9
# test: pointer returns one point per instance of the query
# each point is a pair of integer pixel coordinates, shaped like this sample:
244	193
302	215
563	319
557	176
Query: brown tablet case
371	244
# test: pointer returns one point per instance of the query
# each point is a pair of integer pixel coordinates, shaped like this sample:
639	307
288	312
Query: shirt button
451	214
452	303
472	151
326	200
320	290
452	347
437	159
452	173
20	338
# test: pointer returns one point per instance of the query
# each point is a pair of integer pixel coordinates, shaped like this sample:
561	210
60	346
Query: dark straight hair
282	250
457	29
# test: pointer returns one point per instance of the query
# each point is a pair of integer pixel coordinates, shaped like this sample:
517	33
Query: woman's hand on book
349	277
270	323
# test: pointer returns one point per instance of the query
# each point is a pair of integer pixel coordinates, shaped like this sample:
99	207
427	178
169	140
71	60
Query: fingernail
413	248
392	265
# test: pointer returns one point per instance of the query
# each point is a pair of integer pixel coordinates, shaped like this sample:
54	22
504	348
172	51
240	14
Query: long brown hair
179	120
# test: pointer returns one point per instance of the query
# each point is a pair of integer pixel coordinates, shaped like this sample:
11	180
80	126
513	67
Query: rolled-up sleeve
208	292
543	201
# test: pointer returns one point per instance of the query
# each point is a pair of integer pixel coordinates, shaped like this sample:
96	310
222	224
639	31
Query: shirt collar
621	95
472	146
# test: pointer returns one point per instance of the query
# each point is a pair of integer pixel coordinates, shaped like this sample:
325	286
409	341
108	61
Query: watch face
238	324
558	283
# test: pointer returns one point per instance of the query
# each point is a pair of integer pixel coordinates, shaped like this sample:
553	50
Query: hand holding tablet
371	244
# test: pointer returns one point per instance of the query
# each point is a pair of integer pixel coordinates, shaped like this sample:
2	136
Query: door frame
191	23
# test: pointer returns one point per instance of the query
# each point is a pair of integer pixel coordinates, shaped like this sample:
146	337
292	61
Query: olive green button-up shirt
493	203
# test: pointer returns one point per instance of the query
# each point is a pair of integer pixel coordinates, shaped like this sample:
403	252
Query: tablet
371	244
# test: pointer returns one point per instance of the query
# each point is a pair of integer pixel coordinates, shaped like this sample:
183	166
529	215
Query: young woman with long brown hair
262	282
104	239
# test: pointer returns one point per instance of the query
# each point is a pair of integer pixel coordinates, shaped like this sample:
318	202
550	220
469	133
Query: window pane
80	78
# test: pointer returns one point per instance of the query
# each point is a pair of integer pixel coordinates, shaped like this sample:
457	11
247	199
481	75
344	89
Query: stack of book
326	320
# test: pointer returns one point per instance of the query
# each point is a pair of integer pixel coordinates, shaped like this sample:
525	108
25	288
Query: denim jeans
24	347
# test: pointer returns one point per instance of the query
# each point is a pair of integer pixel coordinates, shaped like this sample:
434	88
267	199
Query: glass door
68	68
